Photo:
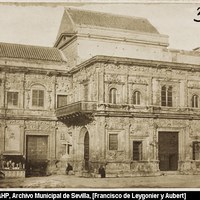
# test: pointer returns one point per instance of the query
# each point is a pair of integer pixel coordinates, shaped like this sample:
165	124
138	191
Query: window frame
110	144
194	150
11	105
138	157
38	87
136	98
38	99
113	95
167	96
195	101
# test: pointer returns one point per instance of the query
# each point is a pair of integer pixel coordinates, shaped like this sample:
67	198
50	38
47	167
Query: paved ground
64	181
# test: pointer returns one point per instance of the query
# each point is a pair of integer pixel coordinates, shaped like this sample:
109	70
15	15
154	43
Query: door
36	153
168	151
86	150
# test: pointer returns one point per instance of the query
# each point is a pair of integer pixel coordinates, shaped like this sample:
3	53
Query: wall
89	47
141	122
70	51
18	122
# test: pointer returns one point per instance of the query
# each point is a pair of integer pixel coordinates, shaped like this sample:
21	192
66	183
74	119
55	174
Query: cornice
31	70
137	62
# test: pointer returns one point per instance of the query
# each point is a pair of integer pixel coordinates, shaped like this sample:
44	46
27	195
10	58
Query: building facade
108	93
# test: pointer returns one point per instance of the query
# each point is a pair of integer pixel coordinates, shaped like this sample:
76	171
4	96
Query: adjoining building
109	92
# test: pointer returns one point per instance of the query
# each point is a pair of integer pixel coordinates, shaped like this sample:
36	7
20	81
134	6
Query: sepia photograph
99	95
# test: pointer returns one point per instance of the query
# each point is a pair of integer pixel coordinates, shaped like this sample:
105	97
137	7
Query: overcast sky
38	25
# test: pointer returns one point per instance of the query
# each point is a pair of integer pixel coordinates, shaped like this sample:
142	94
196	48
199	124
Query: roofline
138	62
107	13
59	38
33	60
27	45
31	70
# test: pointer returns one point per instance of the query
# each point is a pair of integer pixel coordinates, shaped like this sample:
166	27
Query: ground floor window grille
196	150
137	150
113	141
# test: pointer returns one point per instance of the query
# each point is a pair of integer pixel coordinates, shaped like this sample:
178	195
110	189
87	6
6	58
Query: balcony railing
78	107
83	107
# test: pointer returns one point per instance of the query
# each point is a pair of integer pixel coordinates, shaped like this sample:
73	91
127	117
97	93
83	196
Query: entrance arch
86	150
84	147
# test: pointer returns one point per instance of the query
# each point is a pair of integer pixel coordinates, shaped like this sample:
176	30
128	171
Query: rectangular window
38	98
196	150
69	149
137	150
166	96
86	92
113	141
61	100
12	98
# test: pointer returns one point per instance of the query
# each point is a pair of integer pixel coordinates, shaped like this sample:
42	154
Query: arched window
195	101
166	96
136	98
113	96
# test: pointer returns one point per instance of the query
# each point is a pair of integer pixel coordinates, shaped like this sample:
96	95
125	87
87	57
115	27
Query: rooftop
8	50
73	17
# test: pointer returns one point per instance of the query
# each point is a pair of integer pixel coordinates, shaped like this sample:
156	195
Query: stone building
109	92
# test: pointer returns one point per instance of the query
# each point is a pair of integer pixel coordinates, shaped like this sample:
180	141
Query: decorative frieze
116	122
40	125
114	79
194	84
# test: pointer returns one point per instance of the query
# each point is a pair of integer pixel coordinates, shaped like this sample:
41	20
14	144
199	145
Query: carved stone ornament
77	119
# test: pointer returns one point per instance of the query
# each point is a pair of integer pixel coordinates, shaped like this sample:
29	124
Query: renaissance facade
108	93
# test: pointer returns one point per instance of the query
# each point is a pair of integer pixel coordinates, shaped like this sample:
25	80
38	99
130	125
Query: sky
38	24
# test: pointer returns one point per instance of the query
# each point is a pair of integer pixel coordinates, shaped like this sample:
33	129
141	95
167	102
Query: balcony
75	108
79	113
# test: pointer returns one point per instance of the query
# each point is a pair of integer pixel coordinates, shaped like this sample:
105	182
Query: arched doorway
86	150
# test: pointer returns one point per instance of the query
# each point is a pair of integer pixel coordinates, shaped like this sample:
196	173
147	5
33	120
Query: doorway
168	151
86	150
36	155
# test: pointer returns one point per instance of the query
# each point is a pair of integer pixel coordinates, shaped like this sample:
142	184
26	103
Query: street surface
64	181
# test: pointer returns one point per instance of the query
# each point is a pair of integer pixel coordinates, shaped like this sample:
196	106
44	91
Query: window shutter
169	96
163	96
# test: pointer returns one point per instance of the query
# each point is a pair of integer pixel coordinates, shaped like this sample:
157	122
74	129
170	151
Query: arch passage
86	150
